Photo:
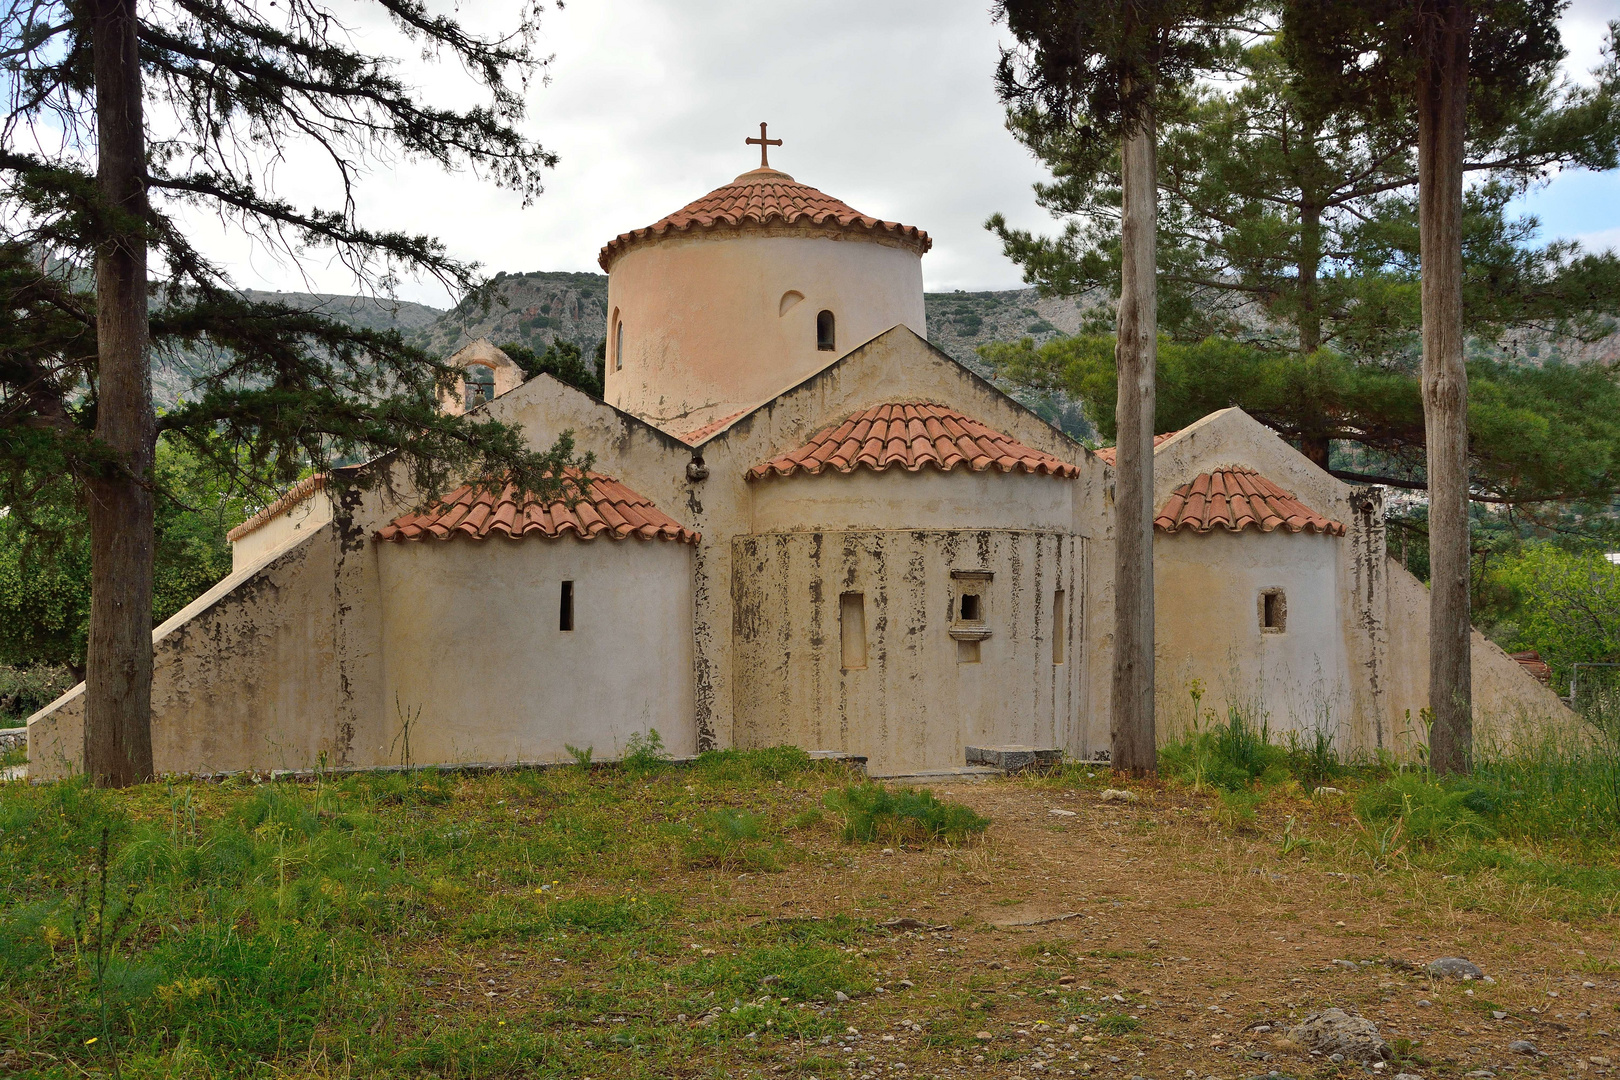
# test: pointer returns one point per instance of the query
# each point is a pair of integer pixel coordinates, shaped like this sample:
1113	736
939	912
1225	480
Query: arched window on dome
826	338
618	343
479	385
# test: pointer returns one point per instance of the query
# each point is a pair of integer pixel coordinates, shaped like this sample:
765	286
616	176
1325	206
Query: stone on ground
1334	1031
1455	967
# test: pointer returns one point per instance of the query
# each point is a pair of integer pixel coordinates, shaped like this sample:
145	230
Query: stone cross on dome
764	145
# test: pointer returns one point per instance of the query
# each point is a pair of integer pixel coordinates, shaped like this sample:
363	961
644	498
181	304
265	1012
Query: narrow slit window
1273	611
826	337
852	629
1057	627
565	608
618	346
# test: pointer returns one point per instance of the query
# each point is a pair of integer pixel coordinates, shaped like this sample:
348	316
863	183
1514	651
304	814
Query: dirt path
1075	908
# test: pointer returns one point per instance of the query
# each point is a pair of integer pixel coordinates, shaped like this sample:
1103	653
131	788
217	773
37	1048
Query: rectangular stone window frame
852	630
1272	609
970	608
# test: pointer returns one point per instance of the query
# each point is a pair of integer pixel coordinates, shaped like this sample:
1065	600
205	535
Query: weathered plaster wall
1508	702
896	366
710	328
289	528
248	676
912	703
1207	626
473	650
926	499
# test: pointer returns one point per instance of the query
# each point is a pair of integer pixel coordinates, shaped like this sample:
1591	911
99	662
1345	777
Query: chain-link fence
1594	693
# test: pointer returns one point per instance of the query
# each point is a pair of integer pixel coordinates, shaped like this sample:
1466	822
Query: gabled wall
1378	684
898	365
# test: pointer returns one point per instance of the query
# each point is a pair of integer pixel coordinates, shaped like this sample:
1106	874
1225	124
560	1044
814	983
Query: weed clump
1429	813
872	812
1229	756
730	839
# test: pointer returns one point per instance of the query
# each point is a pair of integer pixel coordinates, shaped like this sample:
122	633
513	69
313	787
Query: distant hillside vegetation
538	308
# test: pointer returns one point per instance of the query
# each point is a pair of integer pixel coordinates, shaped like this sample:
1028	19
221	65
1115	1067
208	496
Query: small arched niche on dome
618	341
826	331
790	300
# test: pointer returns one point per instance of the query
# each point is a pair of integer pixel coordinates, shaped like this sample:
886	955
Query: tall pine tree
1091	77
120	113
1457	66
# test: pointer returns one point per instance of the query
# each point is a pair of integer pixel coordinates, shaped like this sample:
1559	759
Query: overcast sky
885	104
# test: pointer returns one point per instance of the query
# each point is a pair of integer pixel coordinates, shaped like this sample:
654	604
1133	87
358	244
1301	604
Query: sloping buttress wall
272	668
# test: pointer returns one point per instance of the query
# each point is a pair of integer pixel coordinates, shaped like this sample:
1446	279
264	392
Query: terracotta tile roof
1234	499
692	438
910	435
608	509
294	495
1107	452
764	197
1534	666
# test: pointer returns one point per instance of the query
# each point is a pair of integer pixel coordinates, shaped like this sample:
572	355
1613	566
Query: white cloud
1604	240
886	104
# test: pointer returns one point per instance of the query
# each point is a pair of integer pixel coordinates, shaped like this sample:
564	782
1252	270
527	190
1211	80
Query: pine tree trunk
1319	448
1136	356
1442	123
118	689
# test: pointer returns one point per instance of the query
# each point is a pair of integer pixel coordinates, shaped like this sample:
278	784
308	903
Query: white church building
806	526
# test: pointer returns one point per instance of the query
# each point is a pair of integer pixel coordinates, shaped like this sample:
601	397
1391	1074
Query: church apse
910	697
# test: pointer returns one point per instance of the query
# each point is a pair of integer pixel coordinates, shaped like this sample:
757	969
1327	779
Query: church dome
764	198
747	291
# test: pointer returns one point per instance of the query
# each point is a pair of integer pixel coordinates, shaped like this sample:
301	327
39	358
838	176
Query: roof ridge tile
475	511
911	435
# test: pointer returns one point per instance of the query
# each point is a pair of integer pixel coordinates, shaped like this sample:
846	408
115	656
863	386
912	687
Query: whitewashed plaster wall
911	701
1508	702
1207	626
926	499
717	322
1232	437
474	653
272	668
289	527
1382	609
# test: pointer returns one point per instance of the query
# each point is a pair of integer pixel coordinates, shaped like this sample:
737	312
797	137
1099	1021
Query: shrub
644	752
26	690
873	812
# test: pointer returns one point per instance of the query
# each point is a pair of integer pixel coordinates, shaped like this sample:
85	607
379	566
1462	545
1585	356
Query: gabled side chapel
807	526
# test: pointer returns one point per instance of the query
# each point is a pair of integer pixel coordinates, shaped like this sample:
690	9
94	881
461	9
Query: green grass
1543	816
354	925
